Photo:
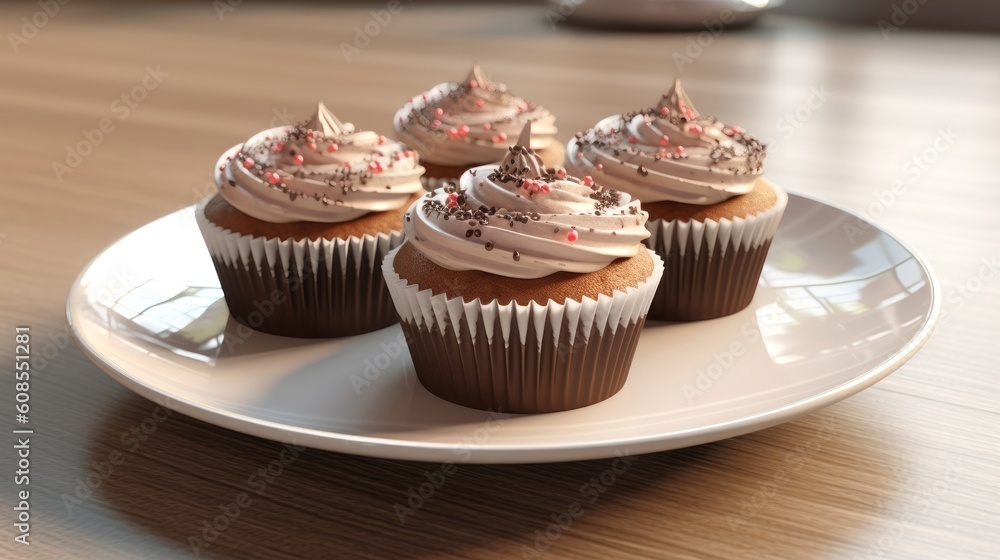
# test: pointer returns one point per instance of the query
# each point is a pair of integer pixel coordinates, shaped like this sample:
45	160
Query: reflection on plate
841	305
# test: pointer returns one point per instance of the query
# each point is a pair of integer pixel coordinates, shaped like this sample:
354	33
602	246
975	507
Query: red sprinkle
694	129
438	112
664	111
375	166
248	163
599	166
588	180
273	178
332	148
297	159
572	236
664	140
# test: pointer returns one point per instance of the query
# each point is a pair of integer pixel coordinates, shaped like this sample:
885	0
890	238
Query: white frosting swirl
470	122
522	220
669	152
319	171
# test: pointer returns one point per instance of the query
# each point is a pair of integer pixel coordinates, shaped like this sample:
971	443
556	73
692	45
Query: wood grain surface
907	469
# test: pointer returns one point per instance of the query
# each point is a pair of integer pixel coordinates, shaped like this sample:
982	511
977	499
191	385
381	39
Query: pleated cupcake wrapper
740	232
522	358
712	267
305	288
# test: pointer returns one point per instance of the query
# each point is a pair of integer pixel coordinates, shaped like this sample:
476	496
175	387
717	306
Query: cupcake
302	219
711	213
521	288
459	125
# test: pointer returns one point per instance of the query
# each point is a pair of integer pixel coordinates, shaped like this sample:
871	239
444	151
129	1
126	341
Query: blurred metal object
659	14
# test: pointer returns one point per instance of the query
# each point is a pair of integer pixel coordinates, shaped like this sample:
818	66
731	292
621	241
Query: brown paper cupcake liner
303	288
522	358
698	287
712	267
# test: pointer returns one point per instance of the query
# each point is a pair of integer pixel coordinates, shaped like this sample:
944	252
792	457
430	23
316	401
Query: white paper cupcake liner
422	307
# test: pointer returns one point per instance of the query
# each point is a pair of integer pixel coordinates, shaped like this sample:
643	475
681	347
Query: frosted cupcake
301	222
459	125
712	215
521	288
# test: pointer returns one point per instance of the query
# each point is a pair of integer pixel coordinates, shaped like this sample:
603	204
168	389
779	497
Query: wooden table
912	466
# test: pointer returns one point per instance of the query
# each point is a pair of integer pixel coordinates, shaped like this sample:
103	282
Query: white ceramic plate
713	16
841	305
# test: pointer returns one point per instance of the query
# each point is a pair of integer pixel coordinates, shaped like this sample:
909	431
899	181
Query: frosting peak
670	152
327	124
519	219
476	75
521	160
320	170
470	122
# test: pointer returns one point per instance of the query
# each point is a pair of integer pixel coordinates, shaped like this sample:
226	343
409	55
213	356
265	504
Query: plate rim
522	453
